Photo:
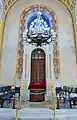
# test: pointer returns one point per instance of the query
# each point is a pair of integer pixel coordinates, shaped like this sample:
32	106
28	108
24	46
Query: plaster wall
65	34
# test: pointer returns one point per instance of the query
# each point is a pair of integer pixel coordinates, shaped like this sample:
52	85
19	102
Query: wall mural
31	22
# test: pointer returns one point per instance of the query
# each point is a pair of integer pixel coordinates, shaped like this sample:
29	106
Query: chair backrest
58	89
5	88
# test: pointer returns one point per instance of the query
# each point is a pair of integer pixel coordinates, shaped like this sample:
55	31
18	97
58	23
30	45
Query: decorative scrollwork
69	3
7	4
56	61
39	28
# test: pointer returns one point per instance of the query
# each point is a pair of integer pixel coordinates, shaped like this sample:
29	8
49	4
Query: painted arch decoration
70	4
38	25
29	20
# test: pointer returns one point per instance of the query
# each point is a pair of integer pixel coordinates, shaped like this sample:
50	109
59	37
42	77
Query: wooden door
38	82
38	70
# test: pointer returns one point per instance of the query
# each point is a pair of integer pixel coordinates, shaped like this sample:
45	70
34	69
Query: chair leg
2	104
58	103
70	104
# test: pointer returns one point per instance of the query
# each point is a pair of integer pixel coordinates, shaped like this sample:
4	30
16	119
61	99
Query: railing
52	107
17	100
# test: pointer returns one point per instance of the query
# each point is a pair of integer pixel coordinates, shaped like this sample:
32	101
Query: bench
6	93
69	94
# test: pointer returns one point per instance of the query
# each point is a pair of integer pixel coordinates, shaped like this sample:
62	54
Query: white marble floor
47	114
38	114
